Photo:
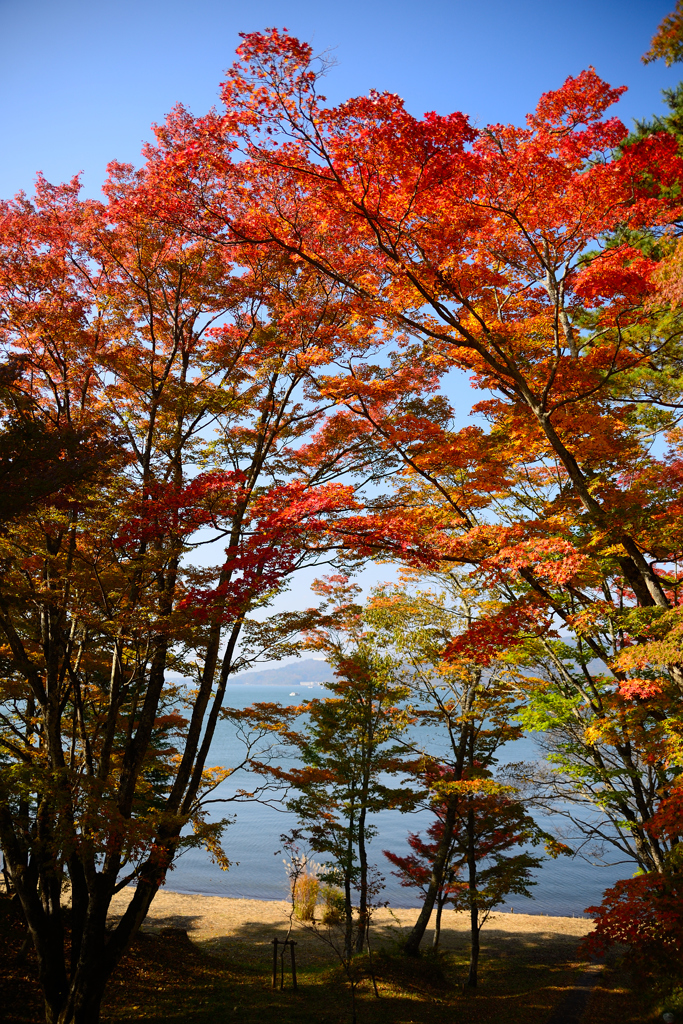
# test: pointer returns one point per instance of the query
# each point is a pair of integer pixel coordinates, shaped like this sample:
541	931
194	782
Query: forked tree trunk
84	999
75	996
412	943
100	953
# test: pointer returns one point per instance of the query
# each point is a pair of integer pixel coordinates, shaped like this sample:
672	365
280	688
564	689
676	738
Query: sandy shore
218	921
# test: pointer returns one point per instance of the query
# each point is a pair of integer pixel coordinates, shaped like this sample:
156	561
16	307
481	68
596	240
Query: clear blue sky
82	80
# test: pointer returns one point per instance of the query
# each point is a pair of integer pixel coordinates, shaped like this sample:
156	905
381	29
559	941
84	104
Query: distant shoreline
313	671
249	682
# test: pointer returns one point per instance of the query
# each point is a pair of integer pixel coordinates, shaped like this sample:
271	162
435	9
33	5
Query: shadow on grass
166	977
523	978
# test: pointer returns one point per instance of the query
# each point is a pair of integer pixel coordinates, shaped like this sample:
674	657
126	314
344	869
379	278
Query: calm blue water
564	887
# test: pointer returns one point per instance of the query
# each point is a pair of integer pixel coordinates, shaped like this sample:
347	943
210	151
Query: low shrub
333	904
306	889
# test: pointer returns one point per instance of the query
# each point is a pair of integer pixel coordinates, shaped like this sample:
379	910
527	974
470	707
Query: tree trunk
474	948
474	908
363	883
85	997
348	911
5	874
441	899
412	943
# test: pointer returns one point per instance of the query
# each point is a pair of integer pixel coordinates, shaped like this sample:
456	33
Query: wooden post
284	943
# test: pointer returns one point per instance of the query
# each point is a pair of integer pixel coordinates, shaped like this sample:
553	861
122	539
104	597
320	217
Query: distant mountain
308	671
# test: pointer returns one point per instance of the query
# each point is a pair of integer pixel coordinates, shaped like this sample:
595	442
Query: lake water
564	887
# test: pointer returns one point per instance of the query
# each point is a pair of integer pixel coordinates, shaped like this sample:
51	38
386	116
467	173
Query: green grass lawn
166	977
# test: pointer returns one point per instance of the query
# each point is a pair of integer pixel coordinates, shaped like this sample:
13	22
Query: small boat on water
294	694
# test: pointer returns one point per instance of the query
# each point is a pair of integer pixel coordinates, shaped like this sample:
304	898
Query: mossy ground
167	978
